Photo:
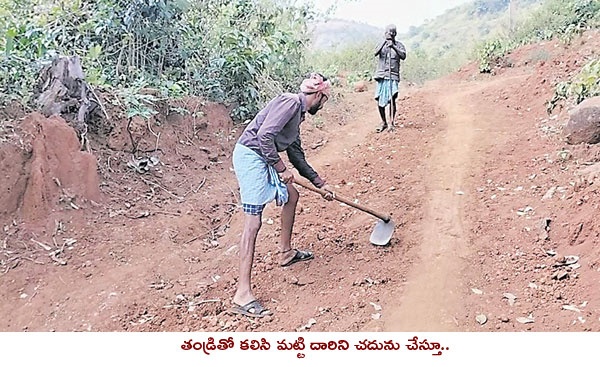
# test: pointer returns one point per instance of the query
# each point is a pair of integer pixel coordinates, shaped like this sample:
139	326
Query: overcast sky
379	13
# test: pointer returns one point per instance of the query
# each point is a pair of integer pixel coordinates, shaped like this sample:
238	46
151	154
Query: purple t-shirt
276	128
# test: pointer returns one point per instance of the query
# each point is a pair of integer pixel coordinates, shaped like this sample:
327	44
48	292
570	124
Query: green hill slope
466	25
336	34
436	47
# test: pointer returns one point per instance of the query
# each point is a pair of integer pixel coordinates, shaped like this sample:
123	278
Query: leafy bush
356	62
584	85
491	52
222	49
555	18
558	18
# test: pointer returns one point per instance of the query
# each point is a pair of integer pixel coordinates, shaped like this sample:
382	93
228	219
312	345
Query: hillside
435	48
461	28
336	34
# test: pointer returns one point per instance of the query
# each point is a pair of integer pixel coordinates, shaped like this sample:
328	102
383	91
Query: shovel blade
382	233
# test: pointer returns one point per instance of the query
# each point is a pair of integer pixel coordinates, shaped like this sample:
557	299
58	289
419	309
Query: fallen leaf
571	308
481	319
560	275
571	259
376	306
524	320
511	298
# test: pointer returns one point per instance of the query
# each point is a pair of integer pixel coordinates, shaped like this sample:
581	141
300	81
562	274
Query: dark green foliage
584	85
225	50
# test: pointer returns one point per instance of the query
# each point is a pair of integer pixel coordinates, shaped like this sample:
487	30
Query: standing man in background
387	75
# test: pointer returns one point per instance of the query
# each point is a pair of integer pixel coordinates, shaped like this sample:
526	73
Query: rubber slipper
250	309
381	128
299	256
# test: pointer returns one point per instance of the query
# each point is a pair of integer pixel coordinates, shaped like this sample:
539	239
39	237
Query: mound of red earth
44	170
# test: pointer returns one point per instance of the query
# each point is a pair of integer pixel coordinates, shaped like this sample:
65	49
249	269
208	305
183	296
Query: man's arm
298	160
379	48
400	49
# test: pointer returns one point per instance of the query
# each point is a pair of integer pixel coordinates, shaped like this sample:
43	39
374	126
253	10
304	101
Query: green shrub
491	52
584	85
563	19
222	49
356	62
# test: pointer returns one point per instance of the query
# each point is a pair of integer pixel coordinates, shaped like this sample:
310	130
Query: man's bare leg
393	107
288	215
384	124
252	224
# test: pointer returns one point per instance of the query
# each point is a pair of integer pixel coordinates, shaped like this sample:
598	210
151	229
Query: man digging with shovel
264	177
387	75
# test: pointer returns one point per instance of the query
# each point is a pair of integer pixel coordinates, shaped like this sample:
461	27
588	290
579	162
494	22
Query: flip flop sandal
381	128
250	309
299	256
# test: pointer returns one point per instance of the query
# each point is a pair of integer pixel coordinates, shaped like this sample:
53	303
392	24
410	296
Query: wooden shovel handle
384	217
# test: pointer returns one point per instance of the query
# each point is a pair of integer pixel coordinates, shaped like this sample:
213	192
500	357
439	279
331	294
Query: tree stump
62	91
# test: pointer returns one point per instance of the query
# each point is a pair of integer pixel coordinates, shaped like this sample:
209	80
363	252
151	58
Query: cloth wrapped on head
316	83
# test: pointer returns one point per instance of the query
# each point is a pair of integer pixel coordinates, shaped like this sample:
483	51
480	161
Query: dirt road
432	296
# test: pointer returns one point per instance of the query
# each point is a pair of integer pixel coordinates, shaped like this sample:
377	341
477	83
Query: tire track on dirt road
432	294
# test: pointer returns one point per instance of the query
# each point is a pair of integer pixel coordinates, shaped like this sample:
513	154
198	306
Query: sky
379	13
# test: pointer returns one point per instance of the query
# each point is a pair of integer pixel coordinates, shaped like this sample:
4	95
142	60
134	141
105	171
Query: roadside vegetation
584	85
243	52
239	52
485	31
561	19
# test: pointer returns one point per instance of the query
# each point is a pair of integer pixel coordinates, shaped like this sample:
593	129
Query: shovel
392	122
382	233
